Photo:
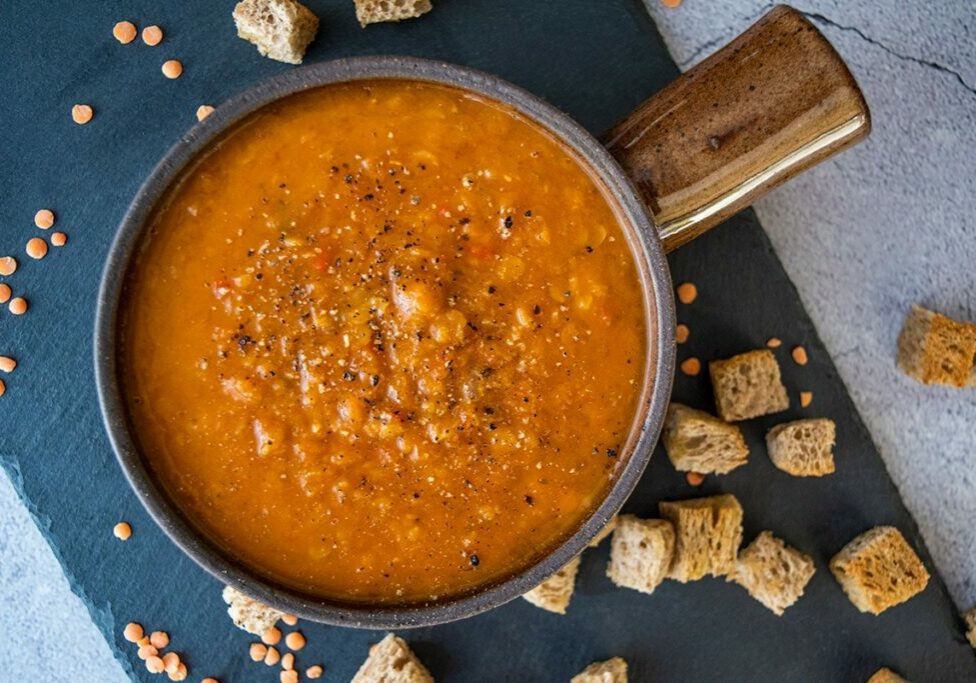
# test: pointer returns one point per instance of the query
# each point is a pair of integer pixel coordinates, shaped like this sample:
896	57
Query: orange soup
384	342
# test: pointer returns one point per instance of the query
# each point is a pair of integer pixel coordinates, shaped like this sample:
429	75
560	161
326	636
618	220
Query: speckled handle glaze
773	102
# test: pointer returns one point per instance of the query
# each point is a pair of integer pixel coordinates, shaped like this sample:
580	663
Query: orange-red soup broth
385	342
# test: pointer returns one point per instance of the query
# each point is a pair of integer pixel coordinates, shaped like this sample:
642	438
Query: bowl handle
773	102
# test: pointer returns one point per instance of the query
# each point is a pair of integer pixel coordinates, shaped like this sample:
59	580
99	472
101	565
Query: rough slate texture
596	60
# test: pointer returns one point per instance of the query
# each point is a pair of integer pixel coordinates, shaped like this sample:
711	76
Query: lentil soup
384	342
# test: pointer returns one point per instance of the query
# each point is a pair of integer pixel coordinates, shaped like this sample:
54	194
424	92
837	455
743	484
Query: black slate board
594	58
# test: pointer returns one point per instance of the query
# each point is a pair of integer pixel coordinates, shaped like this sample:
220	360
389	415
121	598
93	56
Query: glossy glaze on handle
772	103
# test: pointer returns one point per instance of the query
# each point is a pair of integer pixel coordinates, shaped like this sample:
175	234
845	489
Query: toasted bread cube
708	532
281	29
374	11
641	552
697	442
391	661
886	675
611	671
604	532
970	618
878	570
803	448
774	573
748	385
935	349
554	593
249	614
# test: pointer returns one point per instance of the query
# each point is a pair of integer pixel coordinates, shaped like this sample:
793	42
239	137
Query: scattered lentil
288	661
289	676
314	671
695	478
687	293
171	662
172	68
806	398
681	333
154	665
289	619
142	642
774	342
671	4
295	641
123	531
147	651
58	239
18	305
258	651
4	292
273	656
3	387
82	113
7	364
272	636
152	35
691	366
36	248
44	219
209	680
203	111
159	639
124	32
180	674
800	355
132	632
8	265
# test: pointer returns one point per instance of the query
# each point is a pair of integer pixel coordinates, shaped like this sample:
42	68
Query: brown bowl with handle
772	103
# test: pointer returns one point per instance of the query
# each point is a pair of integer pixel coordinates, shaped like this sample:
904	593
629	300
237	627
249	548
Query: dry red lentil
681	333
44	219
58	239
180	674
691	366
289	619
272	657
289	676
800	355
124	32
295	641
154	664
203	111
695	478
288	661
3	387
272	636
5	292
152	35
159	639
7	364
8	265
806	398
172	68
36	248
82	113
147	651
123	531
314	671
774	342
18	305
687	293
258	651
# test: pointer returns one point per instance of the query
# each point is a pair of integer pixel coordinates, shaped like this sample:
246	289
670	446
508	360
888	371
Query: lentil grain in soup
384	342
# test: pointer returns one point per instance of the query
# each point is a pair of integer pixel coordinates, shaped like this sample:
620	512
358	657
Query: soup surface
385	342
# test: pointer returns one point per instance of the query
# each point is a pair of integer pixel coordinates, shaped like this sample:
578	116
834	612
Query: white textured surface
892	222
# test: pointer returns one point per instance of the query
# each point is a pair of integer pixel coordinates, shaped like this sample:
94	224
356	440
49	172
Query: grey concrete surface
863	236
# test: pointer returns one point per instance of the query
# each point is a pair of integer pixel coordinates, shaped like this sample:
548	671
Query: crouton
374	11
604	532
281	29
803	448
554	593
748	385
878	570
391	661
708	532
774	573
640	553
248	614
970	618
697	442
935	349
886	675
611	671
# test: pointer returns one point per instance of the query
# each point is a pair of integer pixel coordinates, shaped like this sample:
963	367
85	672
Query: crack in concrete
814	16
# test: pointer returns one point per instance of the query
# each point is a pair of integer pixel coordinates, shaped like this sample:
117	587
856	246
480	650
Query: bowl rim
659	317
